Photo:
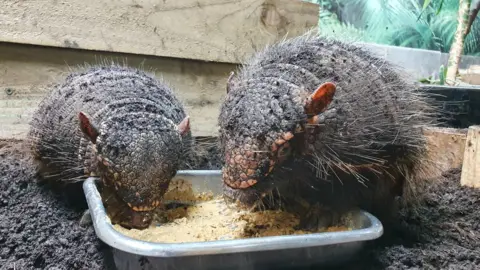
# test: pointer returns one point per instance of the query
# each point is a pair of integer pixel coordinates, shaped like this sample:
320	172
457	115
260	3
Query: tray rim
105	231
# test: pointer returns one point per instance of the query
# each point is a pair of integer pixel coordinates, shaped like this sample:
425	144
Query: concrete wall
421	63
461	107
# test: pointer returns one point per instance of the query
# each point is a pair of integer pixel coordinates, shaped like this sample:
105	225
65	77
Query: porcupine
118	123
317	120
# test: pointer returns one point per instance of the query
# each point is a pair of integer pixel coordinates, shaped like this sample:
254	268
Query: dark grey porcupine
354	142
118	123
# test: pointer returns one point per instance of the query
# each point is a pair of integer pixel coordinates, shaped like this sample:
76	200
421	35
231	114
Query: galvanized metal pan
255	253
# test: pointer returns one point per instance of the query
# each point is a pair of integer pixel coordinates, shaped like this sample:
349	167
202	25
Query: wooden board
471	161
26	70
470	75
211	30
445	147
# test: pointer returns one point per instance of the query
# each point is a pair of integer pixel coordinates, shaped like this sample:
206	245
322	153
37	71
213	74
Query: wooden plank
25	71
471	161
446	146
471	75
211	30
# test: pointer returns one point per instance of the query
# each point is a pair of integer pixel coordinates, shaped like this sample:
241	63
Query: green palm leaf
420	24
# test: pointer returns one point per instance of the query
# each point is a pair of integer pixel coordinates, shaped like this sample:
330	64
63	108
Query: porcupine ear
184	126
319	100
88	129
229	81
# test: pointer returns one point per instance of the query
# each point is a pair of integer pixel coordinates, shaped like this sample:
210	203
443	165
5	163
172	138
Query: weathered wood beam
471	160
26	71
445	149
210	30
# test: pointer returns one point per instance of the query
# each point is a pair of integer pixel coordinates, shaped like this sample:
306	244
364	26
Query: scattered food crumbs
203	217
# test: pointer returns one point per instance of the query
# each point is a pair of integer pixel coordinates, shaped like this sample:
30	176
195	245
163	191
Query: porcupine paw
318	217
86	219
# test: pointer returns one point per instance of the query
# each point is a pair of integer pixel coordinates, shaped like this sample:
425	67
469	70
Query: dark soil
443	233
40	228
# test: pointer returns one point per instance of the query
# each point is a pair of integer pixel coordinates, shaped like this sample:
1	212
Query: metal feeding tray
257	253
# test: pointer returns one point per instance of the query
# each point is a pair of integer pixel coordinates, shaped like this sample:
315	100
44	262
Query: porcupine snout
244	165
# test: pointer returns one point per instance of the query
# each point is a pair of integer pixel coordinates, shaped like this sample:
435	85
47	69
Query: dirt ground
444	233
40	228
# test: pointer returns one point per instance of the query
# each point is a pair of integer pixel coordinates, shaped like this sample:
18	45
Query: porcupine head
136	154
259	135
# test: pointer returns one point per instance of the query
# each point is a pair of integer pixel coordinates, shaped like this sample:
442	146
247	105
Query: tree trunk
475	8
456	49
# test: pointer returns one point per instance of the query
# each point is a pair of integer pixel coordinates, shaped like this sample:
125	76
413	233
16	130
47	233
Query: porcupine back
101	92
376	113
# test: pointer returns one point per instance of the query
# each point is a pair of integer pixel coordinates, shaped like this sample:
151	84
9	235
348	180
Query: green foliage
422	24
425	6
331	27
442	74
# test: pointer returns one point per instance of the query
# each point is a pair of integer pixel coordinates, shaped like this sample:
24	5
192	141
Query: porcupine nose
238	179
242	168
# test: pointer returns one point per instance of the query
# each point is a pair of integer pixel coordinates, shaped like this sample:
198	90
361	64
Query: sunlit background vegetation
396	22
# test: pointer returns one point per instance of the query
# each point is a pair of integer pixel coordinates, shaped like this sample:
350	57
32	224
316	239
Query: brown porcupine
325	122
120	124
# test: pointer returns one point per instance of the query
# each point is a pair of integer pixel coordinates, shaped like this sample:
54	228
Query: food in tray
201	217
